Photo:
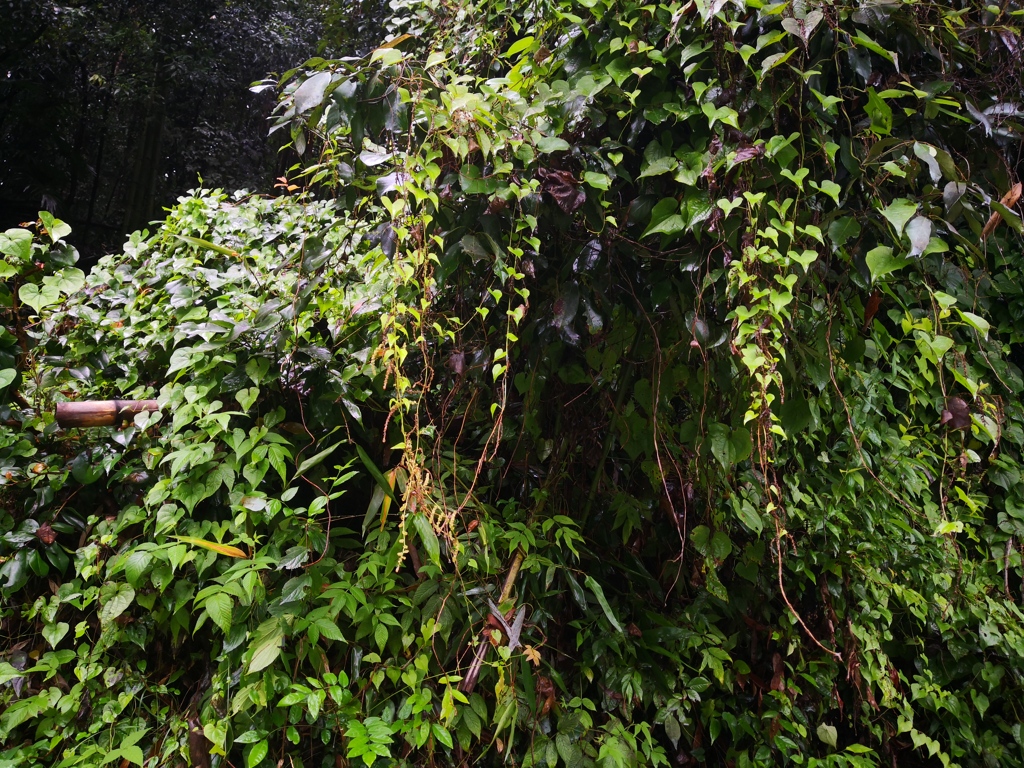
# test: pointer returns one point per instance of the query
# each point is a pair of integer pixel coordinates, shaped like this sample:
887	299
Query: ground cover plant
611	384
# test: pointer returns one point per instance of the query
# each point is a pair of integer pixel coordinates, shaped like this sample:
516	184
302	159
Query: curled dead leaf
1009	200
562	186
956	414
46	534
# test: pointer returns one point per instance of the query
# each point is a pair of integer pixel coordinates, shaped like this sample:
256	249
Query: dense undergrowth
614	384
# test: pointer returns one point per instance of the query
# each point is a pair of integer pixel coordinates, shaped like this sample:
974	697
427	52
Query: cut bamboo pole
101	413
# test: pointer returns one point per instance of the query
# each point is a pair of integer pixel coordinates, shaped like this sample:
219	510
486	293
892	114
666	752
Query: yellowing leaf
222	549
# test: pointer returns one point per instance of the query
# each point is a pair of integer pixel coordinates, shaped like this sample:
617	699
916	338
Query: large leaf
310	94
266	645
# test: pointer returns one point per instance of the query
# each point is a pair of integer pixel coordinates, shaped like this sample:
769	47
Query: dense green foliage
663	359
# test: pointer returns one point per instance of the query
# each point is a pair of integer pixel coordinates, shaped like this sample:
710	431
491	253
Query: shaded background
111	109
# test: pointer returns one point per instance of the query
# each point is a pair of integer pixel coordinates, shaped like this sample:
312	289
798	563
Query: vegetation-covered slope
625	385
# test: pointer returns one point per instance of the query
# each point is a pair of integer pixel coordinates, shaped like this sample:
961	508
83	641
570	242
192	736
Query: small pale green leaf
16	243
55	228
54	633
831	189
899	212
7	375
881	261
828	734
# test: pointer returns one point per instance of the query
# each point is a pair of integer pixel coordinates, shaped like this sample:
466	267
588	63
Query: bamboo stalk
101	413
469	681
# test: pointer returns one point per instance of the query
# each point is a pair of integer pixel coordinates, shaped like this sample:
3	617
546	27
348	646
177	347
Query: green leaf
831	189
132	754
313	461
220	606
474	183
310	94
658	166
669	226
863	40
257	754
843	230
16	243
899	212
387	56
38	298
380	636
770	62
729	446
750	517
247	396
620	70
594	587
828	734
442	735
115	602
520	45
723	114
978	323
67	281
7	375
881	262
426	533
1009	216
206	245
266	645
376	474
548	144
880	114
54	633
55	228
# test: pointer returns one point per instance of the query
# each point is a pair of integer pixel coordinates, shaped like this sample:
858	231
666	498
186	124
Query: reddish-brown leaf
1009	200
957	414
46	534
871	307
562	186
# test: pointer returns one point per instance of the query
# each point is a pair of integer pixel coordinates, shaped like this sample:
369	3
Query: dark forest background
111	109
